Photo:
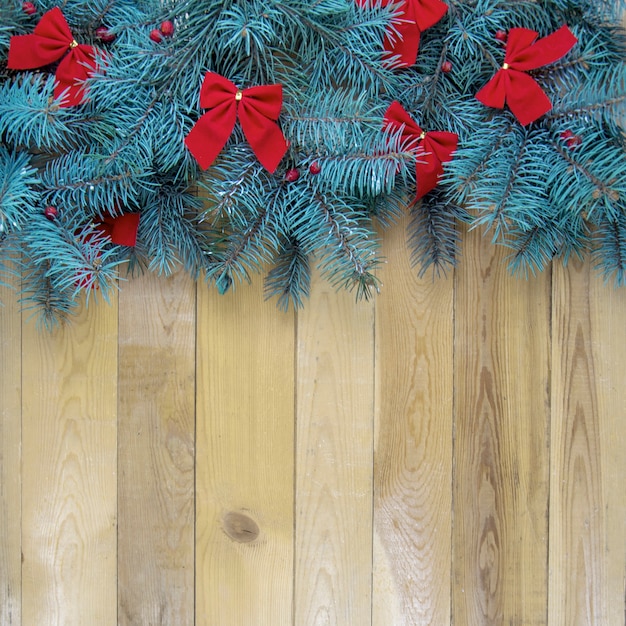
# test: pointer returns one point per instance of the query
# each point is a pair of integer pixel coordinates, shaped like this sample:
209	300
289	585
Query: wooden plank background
450	453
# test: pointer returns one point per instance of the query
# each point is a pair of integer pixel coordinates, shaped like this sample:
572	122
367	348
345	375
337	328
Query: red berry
292	175
502	35
446	67
29	8
315	168
167	28
50	212
574	141
104	34
156	35
571	140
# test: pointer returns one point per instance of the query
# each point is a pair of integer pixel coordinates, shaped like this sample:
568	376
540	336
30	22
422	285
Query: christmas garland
236	136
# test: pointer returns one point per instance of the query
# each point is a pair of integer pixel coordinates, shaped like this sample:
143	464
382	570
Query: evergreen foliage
546	190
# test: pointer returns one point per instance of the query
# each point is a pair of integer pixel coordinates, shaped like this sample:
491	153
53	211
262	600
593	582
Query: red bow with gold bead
257	108
52	40
432	149
512	85
416	16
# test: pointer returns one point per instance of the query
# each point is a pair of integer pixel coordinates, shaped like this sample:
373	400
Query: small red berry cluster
165	30
292	175
571	140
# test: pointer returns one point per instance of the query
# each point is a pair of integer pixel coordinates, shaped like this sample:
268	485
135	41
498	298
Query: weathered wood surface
156	440
414	443
452	453
10	458
587	494
244	459
334	465
501	447
69	471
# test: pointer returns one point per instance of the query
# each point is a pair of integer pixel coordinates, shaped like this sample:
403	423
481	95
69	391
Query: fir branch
356	69
473	160
124	148
432	237
610	248
348	257
246	249
83	179
598	168
532	249
290	278
42	299
18	195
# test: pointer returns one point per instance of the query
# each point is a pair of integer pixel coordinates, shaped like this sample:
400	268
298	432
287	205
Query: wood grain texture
413	452
608	318
587	501
335	417
156	451
502	365
245	459
353	522
10	451
69	479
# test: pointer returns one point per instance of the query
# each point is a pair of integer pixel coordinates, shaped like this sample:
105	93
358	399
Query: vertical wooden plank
587	498
608	323
502	345
10	449
245	459
413	452
156	451
335	419
69	470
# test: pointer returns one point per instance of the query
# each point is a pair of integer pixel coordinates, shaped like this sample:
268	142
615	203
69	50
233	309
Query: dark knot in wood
240	527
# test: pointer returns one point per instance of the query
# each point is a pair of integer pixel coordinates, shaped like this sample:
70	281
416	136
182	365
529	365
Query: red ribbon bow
417	16
512	85
258	109
50	41
432	149
121	229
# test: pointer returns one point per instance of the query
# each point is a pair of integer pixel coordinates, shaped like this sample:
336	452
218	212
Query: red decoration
416	16
50	212
156	35
258	109
571	140
315	168
292	175
121	229
29	8
104	34
52	40
502	35
512	85
432	149
446	67
167	28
